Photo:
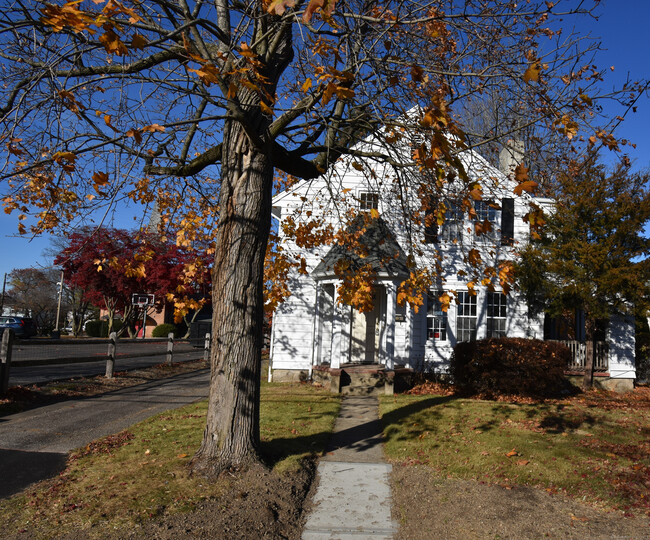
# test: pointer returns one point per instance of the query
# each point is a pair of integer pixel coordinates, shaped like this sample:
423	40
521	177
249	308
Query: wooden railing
579	351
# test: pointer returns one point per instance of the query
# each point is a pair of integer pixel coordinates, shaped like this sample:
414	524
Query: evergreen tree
592	253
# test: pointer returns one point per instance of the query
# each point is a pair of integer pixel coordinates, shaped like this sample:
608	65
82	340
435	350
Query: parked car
23	327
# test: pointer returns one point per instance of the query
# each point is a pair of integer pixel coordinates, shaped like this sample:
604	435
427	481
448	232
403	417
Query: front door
365	334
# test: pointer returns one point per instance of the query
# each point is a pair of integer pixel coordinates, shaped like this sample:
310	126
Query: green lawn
596	453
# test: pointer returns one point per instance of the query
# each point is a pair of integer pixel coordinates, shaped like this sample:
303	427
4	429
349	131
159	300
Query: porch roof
382	252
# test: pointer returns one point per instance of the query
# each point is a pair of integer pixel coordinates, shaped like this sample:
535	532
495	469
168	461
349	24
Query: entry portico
343	334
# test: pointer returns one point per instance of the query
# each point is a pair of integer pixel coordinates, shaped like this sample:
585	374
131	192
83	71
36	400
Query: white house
312	330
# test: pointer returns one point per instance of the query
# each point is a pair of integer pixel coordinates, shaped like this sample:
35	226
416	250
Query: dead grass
141	473
594	447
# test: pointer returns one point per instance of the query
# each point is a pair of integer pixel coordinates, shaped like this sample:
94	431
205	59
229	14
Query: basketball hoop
143	300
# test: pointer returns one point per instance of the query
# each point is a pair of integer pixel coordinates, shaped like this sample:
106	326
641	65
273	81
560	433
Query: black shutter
431	224
507	221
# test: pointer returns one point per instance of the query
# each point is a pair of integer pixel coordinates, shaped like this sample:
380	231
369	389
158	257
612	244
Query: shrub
163	330
100	328
528	367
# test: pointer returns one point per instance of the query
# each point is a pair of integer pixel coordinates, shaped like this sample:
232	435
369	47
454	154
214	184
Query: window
452	228
496	314
436	318
466	317
486	211
368	200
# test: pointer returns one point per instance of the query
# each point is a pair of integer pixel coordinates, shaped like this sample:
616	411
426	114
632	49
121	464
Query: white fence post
170	348
206	347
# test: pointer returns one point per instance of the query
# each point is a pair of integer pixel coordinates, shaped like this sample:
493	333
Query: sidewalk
353	500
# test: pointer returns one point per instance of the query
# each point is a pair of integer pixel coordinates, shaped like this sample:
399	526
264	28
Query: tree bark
231	437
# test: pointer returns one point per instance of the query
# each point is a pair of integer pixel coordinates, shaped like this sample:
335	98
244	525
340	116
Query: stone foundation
362	379
290	375
604	382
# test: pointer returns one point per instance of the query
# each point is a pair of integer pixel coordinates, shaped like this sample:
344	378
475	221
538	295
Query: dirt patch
428	507
255	504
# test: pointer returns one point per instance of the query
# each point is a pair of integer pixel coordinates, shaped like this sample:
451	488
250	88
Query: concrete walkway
352	500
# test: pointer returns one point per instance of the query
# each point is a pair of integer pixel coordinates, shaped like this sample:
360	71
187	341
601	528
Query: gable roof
384	254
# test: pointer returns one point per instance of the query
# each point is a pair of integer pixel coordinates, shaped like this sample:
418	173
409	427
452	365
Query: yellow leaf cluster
356	287
567	126
70	16
308	234
414	288
66	160
67	16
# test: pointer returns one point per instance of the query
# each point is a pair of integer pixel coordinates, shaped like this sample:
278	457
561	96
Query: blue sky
622	27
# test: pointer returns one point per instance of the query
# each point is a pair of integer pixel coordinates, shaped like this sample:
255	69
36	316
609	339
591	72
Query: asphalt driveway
34	444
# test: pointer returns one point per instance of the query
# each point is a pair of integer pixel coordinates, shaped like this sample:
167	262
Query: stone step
363	390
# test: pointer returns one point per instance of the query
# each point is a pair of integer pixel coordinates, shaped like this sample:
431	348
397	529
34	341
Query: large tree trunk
231	437
232	433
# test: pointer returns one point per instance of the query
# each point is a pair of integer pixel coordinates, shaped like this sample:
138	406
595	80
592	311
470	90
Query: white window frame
452	228
437	321
496	310
466	316
486	210
368	200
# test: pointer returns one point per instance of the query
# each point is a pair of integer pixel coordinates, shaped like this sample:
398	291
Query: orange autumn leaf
326	7
279	7
100	178
153	128
112	42
529	185
533	71
138	42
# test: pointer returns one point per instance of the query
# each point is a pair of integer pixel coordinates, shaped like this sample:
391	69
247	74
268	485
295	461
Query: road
31	351
37	361
34	444
25	375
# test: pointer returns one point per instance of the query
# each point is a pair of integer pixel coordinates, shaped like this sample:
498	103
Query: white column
336	331
315	331
391	308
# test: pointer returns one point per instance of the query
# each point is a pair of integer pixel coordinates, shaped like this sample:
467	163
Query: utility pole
2	303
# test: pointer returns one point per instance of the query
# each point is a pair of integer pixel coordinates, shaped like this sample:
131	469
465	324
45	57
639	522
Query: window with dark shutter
507	221
431	223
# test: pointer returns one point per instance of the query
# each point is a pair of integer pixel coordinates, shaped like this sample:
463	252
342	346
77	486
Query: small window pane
368	200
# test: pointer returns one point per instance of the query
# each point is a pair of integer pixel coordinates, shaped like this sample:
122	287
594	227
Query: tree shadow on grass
358	438
397	417
281	448
560	423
